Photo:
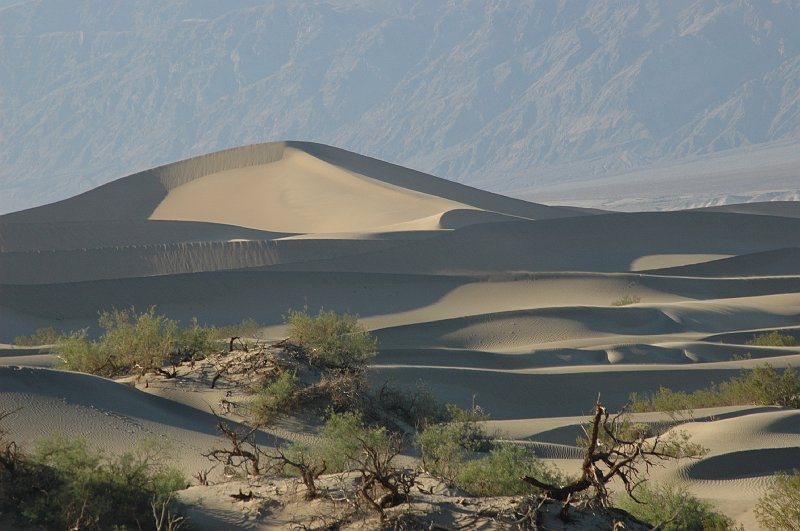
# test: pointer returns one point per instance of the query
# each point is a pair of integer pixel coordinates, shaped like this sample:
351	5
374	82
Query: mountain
501	94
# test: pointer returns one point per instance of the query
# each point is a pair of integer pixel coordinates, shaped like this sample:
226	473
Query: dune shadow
745	464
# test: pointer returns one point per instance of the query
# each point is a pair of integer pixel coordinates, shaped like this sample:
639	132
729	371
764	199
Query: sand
486	298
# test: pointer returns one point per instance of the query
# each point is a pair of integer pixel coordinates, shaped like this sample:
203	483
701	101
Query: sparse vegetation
275	398
499	473
773	339
444	447
779	508
416	406
247	328
625	300
761	386
132	343
332	340
42	336
617	449
137	341
64	484
349	444
670	508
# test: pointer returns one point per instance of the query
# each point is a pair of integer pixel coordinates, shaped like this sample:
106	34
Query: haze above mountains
534	99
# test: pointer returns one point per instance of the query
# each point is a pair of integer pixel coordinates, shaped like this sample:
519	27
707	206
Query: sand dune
113	416
504	302
780	262
607	243
787	209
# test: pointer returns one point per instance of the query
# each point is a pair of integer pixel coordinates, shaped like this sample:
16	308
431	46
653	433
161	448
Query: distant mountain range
507	95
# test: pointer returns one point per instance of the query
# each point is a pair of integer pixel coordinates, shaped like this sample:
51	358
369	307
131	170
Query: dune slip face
526	309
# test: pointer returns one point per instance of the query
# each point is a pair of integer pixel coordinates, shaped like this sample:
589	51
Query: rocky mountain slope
506	95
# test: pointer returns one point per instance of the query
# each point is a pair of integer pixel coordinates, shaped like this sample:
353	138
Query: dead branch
616	450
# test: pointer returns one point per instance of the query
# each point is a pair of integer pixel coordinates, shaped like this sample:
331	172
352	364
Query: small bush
340	440
445	446
680	510
42	336
499	473
331	340
773	339
761	386
65	484
275	398
133	342
142	341
349	444
77	353
626	300
247	328
780	506
417	406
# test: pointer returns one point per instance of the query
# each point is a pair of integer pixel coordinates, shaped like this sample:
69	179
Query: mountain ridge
502	95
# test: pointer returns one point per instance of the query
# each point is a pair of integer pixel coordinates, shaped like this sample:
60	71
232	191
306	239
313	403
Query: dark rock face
501	94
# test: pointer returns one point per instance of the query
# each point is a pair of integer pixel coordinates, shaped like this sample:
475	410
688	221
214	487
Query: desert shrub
133	342
344	390
779	508
301	460
761	386
675	509
499	473
274	398
144	340
626	300
773	339
340	440
349	444
195	342
65	484
332	340
764	386
417	406
445	446
75	352
246	328
42	336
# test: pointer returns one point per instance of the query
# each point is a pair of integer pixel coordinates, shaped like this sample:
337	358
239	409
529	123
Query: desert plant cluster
65	484
384	439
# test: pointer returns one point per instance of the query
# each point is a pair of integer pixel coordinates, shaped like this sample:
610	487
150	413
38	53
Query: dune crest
298	193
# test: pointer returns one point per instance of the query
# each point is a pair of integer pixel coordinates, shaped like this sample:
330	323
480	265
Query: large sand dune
530	310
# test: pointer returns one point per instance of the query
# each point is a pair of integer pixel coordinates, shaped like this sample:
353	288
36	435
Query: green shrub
349	444
682	511
246	328
42	336
417	406
340	440
499	473
445	446
761	386
195	342
133	342
138	341
75	352
65	484
331	340
275	398
779	509
626	300
764	386
773	339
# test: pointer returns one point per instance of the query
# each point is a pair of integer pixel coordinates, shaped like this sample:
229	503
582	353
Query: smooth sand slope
512	304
